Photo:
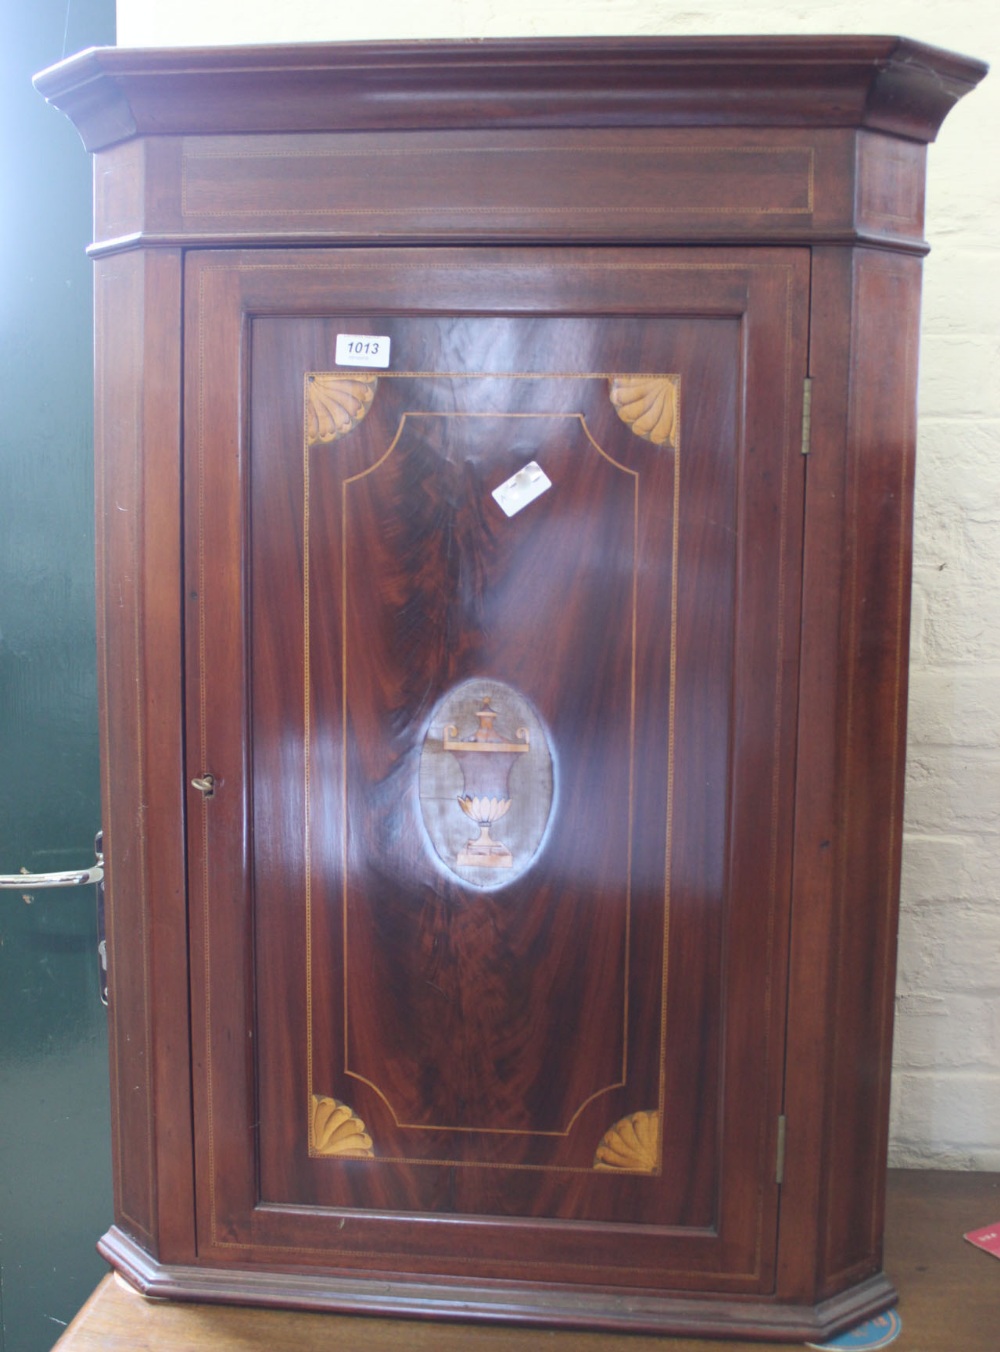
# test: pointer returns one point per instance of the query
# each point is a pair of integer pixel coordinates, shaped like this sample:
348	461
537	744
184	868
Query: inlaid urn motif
485	758
485	782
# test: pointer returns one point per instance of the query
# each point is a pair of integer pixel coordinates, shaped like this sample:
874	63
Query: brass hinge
807	398
779	1163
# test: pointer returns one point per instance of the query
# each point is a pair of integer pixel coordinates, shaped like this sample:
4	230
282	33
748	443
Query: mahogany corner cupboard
505	463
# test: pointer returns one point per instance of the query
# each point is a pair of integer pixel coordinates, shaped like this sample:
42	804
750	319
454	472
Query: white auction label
362	349
521	488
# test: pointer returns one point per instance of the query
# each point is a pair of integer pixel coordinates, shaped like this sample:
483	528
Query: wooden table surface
949	1299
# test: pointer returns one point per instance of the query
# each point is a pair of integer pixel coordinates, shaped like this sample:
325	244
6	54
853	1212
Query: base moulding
413	1297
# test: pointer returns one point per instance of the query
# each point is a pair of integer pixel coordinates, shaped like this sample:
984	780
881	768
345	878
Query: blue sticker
878	1332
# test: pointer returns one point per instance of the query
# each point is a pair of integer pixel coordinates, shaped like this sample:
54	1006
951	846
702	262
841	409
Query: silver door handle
27	883
32	882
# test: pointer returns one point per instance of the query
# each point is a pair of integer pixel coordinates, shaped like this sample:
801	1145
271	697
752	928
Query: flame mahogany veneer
525	948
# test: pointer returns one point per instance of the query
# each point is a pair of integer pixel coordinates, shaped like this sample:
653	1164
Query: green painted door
55	1184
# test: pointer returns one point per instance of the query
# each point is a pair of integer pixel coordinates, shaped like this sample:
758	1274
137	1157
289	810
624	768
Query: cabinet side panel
856	581
852	757
138	439
874	637
119	288
811	956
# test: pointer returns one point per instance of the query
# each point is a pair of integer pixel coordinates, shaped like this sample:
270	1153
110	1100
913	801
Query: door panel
492	886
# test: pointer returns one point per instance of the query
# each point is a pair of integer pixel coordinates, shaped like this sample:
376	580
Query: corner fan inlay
336	403
632	1145
648	405
334	1130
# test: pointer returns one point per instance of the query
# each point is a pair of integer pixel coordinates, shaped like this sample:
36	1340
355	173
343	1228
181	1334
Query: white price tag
521	488
362	349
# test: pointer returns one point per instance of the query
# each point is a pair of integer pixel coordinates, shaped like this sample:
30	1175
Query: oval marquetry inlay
486	782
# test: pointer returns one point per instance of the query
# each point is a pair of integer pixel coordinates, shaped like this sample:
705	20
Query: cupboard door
492	617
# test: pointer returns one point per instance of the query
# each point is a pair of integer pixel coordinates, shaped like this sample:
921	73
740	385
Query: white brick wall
946	1104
